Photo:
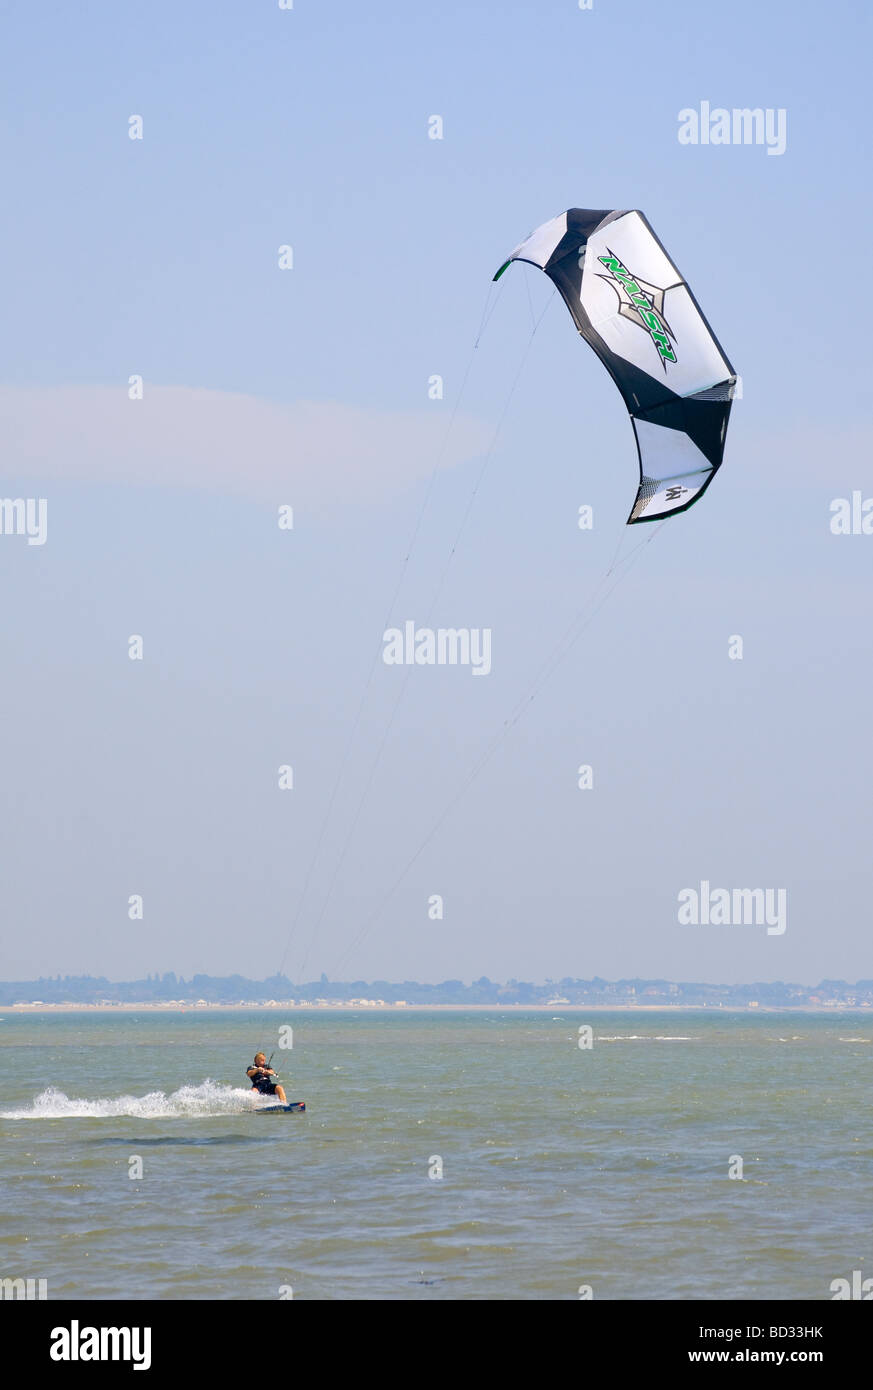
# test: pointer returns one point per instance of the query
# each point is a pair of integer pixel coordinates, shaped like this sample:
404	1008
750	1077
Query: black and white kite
632	306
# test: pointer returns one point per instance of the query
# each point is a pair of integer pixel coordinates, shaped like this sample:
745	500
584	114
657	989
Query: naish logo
642	303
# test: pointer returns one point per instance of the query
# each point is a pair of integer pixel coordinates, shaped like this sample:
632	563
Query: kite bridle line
548	668
434	600
487	311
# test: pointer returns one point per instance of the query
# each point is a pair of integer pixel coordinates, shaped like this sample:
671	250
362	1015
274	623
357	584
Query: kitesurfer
259	1074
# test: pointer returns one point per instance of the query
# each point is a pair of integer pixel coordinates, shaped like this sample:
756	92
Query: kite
632	306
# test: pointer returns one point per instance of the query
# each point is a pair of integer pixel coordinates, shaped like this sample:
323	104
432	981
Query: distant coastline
384	1008
708	1009
204	992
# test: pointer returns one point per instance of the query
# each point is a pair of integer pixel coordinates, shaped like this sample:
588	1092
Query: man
259	1074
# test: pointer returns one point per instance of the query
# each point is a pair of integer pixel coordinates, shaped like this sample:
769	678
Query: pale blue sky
158	257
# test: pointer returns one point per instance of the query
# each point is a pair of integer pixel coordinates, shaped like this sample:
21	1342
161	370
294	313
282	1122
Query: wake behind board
281	1109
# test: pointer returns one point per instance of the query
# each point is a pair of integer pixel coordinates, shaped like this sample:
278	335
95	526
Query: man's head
260	1058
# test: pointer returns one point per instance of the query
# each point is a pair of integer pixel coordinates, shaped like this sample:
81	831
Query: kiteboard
296	1105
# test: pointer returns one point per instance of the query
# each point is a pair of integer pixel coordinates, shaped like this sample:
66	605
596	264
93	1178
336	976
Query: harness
261	1081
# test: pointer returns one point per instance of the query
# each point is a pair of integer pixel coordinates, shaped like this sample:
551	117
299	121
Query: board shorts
266	1088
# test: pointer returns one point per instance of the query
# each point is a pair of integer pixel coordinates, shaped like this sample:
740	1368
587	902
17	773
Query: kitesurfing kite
632	306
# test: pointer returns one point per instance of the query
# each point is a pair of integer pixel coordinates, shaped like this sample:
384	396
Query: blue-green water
561	1167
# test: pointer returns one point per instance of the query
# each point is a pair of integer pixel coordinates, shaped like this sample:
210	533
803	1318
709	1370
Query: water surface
560	1167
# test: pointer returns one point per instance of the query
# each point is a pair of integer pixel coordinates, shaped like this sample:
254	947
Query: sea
443	1155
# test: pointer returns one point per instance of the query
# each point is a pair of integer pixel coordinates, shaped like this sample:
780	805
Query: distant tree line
236	989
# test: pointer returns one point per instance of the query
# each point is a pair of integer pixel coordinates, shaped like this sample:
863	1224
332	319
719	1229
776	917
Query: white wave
854	1039
189	1102
641	1037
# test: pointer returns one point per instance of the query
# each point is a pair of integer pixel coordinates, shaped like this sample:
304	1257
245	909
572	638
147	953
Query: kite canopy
632	306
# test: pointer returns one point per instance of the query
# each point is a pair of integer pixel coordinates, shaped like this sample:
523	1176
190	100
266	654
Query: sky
308	386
